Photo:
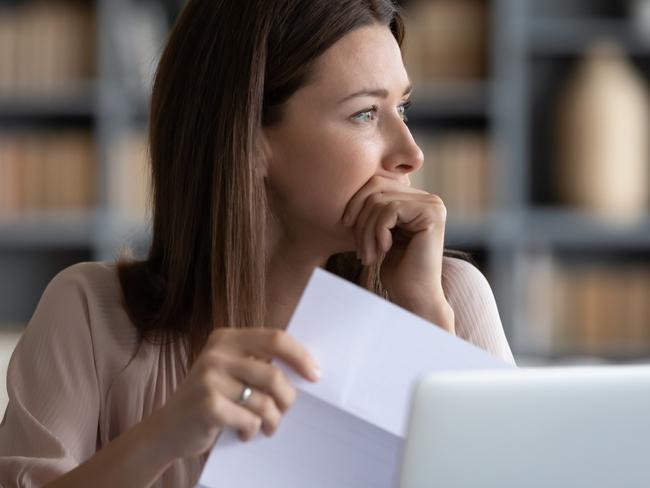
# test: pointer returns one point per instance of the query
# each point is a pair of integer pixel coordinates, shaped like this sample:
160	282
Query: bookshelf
536	250
521	236
63	77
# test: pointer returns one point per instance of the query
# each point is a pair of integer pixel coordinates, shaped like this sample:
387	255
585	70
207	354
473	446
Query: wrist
152	446
443	316
437	311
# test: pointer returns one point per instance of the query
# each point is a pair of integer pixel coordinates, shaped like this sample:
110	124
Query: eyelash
374	109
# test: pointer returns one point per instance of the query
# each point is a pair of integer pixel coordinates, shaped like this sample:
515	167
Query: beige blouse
73	386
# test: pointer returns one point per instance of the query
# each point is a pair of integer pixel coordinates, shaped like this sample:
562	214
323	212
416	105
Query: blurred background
534	116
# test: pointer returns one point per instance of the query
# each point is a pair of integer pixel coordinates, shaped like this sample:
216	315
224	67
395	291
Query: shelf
76	103
463	231
449	100
574	37
47	229
619	353
114	230
549	227
75	228
572	228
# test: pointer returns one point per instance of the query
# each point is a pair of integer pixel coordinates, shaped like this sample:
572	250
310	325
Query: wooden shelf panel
574	37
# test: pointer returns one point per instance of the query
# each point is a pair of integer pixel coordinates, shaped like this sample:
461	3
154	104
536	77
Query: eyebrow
377	92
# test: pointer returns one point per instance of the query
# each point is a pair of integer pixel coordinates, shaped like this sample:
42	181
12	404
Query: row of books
446	40
596	309
54	170
129	175
456	168
58	170
46	46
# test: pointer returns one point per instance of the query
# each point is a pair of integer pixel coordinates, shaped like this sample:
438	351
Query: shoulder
84	301
84	277
92	284
477	317
462	277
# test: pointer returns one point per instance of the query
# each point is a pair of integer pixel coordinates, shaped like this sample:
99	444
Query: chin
343	241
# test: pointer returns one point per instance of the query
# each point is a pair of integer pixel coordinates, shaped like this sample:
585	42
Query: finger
386	196
386	220
261	404
219	373
275	343
380	199
264	377
375	184
371	205
264	407
224	411
371	246
416	216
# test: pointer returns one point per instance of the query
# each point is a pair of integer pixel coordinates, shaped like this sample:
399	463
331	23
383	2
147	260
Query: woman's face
337	132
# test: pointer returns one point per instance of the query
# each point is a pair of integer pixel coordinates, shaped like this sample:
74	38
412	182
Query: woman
278	143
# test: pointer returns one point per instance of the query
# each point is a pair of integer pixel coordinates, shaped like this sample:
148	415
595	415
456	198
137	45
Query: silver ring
246	393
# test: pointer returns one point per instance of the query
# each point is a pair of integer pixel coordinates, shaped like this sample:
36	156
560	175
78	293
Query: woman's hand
409	226
207	399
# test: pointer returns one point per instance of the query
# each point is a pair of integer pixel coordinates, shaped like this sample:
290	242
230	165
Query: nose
403	155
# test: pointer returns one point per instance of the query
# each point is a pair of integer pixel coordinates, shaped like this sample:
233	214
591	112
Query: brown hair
226	71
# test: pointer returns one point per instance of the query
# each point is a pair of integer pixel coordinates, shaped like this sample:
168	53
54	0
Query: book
47	170
594	309
446	40
47	47
456	167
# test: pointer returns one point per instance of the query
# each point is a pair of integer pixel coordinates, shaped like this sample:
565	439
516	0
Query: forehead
368	57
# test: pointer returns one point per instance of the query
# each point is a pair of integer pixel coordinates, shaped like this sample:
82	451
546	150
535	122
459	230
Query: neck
288	272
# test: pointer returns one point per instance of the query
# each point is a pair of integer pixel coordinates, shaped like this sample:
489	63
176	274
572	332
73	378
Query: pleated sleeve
51	422
476	313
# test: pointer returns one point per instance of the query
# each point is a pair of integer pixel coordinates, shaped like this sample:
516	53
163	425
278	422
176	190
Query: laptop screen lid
538	427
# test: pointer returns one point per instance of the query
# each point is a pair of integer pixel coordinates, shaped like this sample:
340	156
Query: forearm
135	459
437	311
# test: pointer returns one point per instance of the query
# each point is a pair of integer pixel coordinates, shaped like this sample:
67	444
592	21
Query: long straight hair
226	71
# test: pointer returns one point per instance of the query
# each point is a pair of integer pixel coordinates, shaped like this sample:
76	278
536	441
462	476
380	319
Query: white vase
602	133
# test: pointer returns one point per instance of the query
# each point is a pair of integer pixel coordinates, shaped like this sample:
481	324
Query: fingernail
316	373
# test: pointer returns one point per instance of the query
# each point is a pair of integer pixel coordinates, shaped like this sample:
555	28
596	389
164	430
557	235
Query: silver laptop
528	428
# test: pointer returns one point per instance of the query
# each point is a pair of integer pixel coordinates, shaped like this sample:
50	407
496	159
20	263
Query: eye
402	109
367	115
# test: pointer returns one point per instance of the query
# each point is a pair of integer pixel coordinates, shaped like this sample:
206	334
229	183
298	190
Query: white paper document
347	429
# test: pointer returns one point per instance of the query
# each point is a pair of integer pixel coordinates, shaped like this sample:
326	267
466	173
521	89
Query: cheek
315	176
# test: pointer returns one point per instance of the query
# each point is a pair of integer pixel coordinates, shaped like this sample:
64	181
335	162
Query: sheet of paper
310	449
347	429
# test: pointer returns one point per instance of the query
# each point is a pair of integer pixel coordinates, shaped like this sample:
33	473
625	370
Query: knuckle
205	381
442	212
213	408
254	425
217	361
272	427
267	407
275	379
277	339
375	180
216	336
290	398
376	198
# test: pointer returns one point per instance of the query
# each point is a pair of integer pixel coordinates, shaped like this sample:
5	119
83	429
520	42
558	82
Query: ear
267	153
